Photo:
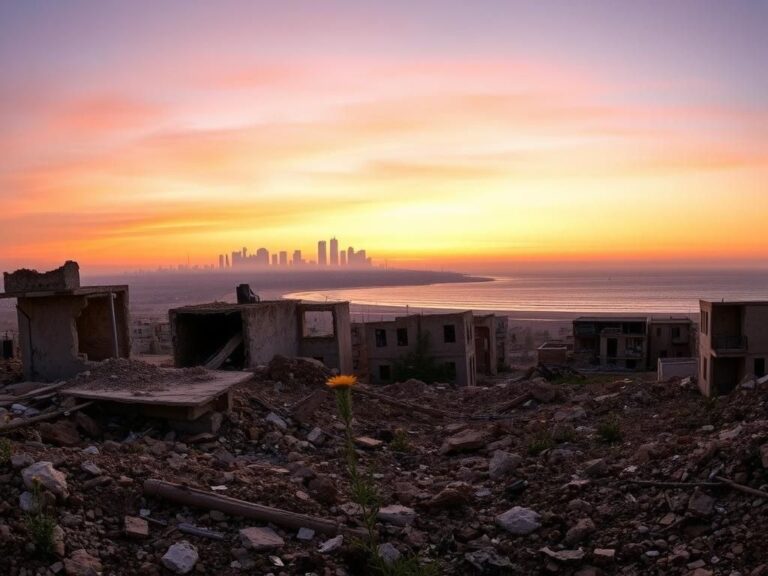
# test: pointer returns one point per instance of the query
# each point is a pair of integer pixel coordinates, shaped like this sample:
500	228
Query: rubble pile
591	476
136	375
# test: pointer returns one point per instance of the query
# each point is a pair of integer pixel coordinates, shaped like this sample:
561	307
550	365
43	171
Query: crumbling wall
334	351
48	337
270	328
66	277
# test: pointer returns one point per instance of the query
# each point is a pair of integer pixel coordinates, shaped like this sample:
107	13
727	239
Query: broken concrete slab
261	539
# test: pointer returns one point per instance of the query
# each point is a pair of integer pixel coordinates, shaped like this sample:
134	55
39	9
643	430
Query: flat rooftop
735	302
611	319
82	291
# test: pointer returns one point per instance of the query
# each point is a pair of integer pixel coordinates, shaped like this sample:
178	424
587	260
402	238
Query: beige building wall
733	344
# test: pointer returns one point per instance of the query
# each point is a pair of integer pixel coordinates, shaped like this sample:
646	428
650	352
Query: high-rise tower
334	252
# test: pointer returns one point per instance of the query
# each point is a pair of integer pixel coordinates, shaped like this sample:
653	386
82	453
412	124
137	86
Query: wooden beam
22	422
202	499
215	361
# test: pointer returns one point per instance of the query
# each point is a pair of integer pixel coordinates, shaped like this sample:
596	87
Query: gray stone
519	521
28	503
305	534
331	545
388	553
502	464
397	515
276	421
21	460
261	539
701	504
181	557
91	468
48	477
563	555
316	436
583	528
465	441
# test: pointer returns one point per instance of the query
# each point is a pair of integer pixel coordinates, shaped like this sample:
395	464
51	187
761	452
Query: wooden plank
215	361
7	400
208	500
22	422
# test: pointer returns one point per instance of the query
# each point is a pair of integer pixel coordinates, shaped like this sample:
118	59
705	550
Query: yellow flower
342	381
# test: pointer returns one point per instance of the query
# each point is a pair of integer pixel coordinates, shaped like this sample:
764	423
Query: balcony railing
729	343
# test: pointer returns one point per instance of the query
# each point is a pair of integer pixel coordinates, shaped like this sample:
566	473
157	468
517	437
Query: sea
650	292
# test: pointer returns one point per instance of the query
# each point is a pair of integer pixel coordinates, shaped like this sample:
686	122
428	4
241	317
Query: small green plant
5	451
39	524
609	430
400	441
365	493
540	442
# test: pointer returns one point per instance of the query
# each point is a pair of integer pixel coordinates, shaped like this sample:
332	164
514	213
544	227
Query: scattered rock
80	563
136	527
465	441
519	521
397	515
180	557
502	464
388	553
50	478
331	545
261	539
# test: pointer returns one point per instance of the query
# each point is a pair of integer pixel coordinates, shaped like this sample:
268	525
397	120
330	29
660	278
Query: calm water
655	292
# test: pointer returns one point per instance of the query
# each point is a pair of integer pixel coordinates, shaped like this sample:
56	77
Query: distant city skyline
263	258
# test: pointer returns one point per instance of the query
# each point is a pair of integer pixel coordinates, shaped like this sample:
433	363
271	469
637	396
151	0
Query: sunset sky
433	133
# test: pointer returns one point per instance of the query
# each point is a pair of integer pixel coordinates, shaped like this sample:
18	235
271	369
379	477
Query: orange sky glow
449	157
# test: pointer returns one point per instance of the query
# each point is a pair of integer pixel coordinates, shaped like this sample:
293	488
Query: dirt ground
579	475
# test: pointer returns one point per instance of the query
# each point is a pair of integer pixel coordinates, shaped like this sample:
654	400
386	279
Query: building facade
733	344
452	343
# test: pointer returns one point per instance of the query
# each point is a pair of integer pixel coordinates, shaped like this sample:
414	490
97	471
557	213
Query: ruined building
249	335
63	326
631	342
458	345
733	344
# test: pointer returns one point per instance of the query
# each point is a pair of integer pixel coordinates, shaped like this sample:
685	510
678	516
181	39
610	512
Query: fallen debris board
215	361
202	499
187	400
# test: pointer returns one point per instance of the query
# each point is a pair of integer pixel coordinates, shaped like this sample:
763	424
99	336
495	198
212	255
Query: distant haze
435	134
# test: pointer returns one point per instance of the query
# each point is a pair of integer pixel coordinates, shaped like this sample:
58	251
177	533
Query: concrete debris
519	521
331	545
261	539
397	515
388	553
81	563
49	478
181	557
531	489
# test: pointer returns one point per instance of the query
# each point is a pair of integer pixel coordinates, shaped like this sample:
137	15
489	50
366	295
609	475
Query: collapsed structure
249	335
63	326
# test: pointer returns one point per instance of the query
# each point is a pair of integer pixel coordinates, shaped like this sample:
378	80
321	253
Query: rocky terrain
575	476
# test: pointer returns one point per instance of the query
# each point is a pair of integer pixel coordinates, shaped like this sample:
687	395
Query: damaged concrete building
733	344
63	326
631	342
251	334
459	344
